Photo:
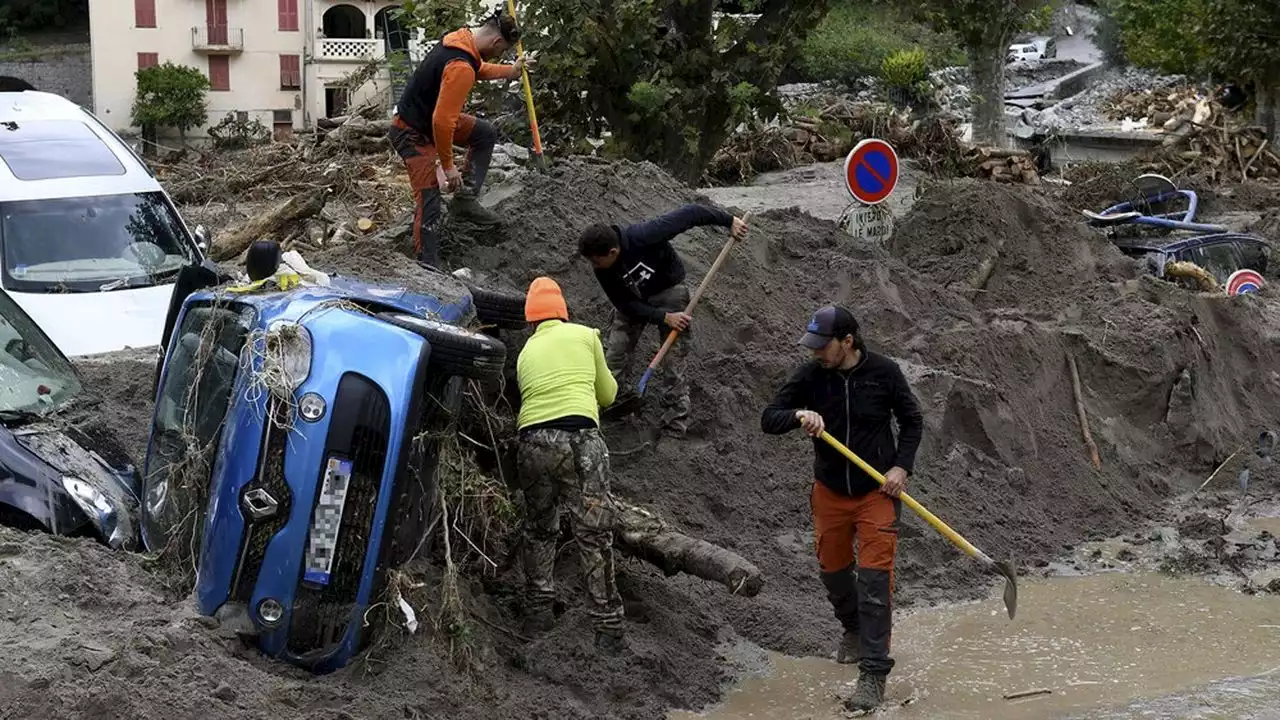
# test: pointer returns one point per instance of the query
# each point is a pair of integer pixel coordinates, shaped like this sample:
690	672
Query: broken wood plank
295	209
1080	413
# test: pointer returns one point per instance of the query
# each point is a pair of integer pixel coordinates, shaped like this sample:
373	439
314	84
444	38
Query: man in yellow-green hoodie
562	458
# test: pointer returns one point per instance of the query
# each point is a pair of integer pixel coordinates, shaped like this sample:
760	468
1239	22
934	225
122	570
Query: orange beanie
544	301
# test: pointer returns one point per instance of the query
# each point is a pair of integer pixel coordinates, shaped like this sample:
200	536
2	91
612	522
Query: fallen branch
1084	420
981	276
1214	474
640	533
295	209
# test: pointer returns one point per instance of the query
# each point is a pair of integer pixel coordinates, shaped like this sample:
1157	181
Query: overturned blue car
293	448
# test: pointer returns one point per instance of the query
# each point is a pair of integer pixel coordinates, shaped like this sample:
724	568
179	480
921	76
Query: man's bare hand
895	481
739	228
522	63
678	321
811	422
453	179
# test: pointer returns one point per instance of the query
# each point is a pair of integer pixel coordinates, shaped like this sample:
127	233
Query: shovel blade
1010	586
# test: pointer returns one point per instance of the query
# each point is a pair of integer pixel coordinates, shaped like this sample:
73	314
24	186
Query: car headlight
287	356
97	507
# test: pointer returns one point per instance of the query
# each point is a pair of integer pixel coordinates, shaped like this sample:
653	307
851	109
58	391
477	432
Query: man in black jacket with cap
853	394
643	277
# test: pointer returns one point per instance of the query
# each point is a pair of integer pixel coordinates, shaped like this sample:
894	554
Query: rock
516	152
225	693
1178	414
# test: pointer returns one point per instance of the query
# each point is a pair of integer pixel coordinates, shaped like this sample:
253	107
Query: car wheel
455	350
506	310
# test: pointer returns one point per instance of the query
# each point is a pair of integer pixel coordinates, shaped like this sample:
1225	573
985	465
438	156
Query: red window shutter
144	13
219	72
146	60
290	72
288	14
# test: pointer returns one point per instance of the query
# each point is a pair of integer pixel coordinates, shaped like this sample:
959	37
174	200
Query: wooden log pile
1003	165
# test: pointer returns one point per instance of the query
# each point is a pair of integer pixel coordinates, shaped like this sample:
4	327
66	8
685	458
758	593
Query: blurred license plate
326	522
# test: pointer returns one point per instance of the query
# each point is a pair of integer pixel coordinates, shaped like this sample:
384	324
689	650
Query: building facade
285	63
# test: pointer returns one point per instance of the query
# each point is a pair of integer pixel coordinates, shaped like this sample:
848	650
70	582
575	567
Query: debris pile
307	194
1087	109
1004	165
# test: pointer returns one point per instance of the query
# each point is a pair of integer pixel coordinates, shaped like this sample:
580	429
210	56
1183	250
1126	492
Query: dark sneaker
869	693
466	207
850	649
610	642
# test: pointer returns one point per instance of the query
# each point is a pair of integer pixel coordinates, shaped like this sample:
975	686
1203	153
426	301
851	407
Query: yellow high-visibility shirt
561	371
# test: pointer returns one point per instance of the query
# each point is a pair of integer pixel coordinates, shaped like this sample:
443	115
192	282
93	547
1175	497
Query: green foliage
1162	34
233	134
171	95
437	17
1242	40
18	16
904	69
857	36
665	80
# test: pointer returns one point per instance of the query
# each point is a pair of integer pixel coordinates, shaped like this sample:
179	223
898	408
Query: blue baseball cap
828	323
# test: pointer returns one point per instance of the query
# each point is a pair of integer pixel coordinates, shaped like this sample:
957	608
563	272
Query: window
290	72
1219	258
220	73
91	244
144	13
193	399
52	149
1255	256
288	15
37	377
146	60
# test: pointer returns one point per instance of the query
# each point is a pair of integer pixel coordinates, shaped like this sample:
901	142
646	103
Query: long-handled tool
1003	568
693	302
528	95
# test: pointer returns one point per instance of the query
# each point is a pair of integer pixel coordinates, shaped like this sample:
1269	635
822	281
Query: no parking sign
871	171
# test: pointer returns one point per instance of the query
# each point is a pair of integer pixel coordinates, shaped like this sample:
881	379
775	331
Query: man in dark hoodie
429	120
853	393
643	277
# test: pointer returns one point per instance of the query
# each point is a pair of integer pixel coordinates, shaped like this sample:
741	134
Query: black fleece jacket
647	264
856	406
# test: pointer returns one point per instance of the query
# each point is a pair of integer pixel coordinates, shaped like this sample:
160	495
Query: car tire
506	310
455	350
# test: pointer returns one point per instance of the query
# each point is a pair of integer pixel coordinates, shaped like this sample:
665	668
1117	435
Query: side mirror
202	238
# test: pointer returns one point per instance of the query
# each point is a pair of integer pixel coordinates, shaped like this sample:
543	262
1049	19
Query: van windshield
91	244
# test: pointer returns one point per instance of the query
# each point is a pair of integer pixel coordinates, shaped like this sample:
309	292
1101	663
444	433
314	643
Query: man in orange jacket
429	121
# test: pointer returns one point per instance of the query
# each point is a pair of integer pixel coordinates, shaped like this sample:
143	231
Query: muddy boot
869	693
465	206
850	650
610	642
538	620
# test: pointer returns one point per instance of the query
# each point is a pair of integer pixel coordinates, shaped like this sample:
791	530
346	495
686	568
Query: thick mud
1172	383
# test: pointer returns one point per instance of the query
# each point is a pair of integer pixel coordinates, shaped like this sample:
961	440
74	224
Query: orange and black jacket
433	99
857	406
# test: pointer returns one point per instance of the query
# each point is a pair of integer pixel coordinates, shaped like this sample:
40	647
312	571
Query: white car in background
90	243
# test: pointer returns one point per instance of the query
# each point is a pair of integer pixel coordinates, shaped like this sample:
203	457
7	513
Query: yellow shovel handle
528	89
911	502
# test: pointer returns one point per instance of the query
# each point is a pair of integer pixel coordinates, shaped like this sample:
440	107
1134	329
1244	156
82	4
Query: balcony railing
217	39
350	49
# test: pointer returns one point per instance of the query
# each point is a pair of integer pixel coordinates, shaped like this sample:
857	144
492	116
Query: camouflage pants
620	349
571	467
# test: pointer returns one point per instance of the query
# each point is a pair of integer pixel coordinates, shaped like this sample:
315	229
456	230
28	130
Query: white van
90	243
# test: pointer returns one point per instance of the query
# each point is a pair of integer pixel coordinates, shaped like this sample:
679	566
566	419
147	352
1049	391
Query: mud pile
1172	384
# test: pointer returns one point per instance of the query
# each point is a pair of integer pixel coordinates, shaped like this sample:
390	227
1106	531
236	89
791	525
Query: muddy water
1096	643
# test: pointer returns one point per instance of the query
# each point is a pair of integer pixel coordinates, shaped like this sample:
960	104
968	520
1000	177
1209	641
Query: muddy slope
1173	383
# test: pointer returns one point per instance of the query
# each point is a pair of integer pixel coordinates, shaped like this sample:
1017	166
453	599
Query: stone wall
69	74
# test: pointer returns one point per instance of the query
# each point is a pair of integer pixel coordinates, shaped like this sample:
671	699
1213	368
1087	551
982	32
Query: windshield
34	377
91	244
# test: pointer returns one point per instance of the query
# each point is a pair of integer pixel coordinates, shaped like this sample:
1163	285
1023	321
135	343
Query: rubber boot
842	592
869	693
610	641
466	206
